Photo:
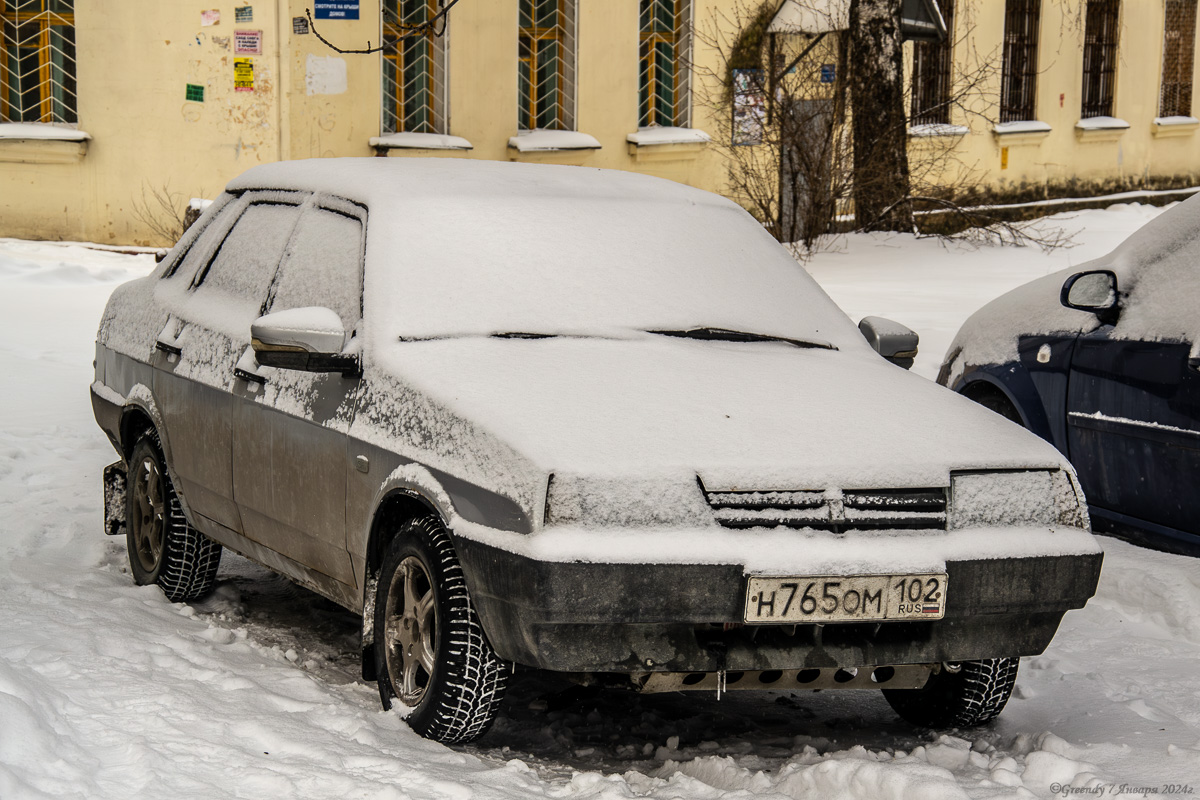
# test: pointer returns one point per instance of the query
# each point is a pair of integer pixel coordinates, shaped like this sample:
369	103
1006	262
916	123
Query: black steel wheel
431	654
958	695
163	548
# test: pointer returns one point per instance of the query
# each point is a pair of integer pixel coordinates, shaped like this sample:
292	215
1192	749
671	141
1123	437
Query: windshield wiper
523	335
727	335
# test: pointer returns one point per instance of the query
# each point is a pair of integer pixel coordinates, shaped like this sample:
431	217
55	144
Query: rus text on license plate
846	598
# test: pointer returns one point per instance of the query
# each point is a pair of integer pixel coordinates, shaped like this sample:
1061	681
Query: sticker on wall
335	9
247	43
243	75
194	93
243	13
299	26
210	17
221	42
325	75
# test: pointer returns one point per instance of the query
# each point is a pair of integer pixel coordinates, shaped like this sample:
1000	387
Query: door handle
168	347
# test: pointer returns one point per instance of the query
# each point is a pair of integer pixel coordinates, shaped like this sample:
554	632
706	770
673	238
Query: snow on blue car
1102	361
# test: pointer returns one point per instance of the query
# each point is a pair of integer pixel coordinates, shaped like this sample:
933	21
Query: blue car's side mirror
1094	291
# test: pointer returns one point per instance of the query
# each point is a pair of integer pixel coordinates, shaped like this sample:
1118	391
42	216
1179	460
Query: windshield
596	266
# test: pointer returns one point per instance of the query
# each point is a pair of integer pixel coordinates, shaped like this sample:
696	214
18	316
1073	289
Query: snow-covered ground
109	691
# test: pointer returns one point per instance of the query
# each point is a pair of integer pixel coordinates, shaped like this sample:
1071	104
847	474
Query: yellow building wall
135	58
1066	159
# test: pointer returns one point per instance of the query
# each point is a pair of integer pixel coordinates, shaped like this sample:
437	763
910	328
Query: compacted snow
107	690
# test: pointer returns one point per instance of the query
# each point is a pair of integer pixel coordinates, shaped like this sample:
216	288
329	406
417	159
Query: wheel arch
1007	384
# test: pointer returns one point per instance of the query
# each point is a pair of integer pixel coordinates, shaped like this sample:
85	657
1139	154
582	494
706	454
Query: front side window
931	75
1018	85
1100	57
414	68
546	65
1179	53
37	61
323	266
664	96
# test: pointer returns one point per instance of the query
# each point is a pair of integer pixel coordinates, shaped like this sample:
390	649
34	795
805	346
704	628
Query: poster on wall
335	9
243	75
749	107
247	43
243	14
210	17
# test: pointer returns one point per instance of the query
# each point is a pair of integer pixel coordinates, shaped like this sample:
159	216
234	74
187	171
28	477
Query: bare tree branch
411	31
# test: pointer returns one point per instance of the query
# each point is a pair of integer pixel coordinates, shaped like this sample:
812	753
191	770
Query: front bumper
610	617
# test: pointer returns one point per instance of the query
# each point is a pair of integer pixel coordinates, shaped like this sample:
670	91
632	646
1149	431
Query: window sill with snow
1100	129
41	143
936	130
662	143
408	140
1165	127
1020	132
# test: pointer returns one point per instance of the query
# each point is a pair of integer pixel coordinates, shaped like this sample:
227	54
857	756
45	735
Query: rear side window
323	266
246	262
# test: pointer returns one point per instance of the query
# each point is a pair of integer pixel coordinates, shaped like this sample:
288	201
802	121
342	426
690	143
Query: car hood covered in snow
752	416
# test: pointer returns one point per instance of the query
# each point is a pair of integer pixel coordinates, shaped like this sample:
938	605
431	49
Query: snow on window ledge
1020	126
1101	124
542	140
937	129
41	131
408	140
1173	121
661	135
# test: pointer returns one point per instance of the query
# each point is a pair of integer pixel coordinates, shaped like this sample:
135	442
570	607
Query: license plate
852	598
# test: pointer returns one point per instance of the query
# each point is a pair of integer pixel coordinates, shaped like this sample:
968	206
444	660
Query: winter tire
431	654
974	694
163	548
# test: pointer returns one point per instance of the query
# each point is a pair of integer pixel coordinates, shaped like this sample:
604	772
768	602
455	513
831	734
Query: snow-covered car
1101	360
577	420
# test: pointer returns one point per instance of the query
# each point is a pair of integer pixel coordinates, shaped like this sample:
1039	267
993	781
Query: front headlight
1026	498
595	502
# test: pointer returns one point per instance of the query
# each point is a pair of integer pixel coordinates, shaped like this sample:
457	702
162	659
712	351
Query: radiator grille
833	510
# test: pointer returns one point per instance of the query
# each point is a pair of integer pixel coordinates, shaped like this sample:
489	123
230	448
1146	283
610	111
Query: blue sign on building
828	73
335	9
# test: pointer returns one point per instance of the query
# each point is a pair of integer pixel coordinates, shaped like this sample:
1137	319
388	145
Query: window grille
414	70
1018	84
1100	57
546	68
37	61
931	75
1179	52
664	79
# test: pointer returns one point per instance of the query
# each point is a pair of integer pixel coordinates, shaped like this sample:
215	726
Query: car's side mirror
893	341
1094	291
305	339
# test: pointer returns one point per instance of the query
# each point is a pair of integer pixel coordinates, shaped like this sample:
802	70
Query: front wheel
431	654
958	696
163	548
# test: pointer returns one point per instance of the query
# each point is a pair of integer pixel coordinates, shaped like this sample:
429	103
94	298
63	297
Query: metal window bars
37	61
546	65
1179	53
1100	36
931	76
414	69
664	77
1018	82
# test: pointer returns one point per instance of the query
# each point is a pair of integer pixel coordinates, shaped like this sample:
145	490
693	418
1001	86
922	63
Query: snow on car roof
477	247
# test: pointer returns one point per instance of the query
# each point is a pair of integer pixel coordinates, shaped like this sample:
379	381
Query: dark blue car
1103	361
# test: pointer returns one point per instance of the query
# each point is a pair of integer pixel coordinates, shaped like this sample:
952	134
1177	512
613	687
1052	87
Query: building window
414	69
1179	52
546	70
1018	83
37	61
931	75
664	90
1100	57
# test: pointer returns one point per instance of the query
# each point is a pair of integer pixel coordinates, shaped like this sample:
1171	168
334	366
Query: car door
214	293
289	450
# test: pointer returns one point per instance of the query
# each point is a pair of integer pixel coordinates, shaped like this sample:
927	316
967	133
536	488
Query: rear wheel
163	548
958	696
431	654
